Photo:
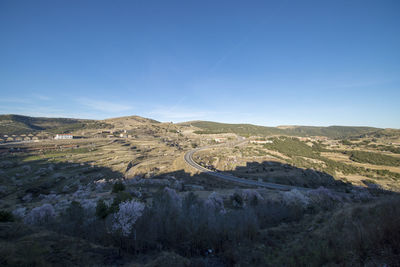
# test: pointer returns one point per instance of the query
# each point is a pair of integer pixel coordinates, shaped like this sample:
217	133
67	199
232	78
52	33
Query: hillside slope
129	121
209	127
18	124
330	131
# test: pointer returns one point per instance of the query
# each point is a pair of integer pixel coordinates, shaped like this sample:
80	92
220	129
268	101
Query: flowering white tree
324	194
294	196
250	194
40	214
19	212
361	194
126	217
176	199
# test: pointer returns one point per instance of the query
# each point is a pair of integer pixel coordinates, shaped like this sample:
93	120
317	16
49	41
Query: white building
63	136
261	141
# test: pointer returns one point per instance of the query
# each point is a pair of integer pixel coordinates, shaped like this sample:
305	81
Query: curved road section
228	177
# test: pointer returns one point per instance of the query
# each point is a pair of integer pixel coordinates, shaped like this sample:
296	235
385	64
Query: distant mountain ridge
209	127
332	131
19	124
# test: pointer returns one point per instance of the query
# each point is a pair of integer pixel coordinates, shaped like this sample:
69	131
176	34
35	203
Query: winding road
230	178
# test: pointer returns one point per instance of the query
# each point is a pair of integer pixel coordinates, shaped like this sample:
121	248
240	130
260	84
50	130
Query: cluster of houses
112	134
38	136
31	137
252	140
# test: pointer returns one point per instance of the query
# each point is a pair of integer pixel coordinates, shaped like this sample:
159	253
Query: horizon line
178	122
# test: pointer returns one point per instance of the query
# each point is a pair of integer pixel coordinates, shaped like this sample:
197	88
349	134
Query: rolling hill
18	124
331	131
208	127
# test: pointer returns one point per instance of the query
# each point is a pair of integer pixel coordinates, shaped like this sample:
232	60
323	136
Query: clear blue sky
263	62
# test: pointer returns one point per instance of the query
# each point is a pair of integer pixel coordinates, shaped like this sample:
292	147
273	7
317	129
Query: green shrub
6	216
293	147
75	211
121	196
117	187
373	158
73	218
237	200
101	209
392	149
346	142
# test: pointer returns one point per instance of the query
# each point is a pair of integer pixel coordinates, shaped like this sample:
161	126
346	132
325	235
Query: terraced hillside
125	196
309	163
18	124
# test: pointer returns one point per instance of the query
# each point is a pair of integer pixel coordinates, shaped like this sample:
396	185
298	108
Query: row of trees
185	224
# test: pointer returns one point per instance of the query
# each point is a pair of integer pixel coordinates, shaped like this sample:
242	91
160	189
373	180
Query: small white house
63	136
